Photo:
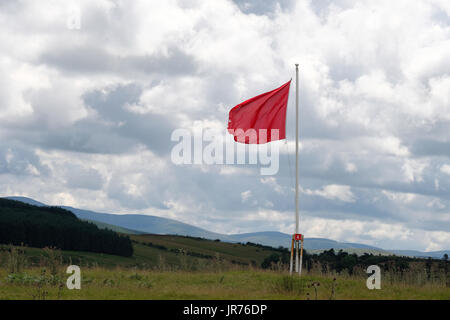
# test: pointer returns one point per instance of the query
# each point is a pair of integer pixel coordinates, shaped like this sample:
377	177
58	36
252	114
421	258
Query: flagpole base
296	245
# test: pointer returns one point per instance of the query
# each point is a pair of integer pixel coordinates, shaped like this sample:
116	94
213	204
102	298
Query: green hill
38	226
164	252
102	225
147	224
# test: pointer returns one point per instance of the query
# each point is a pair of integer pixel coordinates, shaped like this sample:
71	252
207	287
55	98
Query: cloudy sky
86	114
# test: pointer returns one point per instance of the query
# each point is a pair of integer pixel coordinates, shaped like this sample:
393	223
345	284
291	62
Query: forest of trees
331	261
40	227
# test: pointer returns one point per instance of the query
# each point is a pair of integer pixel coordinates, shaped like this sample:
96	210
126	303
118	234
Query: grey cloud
80	59
94	59
110	103
220	88
11	5
83	178
312	125
177	62
86	136
153	191
112	129
21	161
344	70
441	16
321	7
152	130
263	7
430	147
431	140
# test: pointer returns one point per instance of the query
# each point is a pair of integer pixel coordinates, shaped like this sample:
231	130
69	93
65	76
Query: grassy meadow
100	283
171	267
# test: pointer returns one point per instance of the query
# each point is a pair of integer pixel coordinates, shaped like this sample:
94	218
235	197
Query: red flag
260	119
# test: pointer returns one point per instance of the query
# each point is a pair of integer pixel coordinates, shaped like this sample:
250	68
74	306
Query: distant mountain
276	239
27	201
414	253
145	223
103	225
140	223
268	238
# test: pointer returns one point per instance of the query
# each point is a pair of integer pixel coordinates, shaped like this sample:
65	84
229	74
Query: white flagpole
292	255
296	167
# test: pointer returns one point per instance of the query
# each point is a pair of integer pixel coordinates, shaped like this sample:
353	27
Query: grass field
99	283
172	267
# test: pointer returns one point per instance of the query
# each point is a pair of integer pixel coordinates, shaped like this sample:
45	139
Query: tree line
40	227
331	261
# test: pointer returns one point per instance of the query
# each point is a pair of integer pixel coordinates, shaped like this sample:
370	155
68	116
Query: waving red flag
260	119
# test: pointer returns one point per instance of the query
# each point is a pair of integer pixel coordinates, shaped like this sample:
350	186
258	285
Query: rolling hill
43	226
148	224
145	223
161	252
420	254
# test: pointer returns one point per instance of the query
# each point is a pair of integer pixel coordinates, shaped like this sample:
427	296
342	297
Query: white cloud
231	170
351	167
389	145
272	182
413	169
399	196
445	169
436	203
343	230
246	195
436	240
375	233
334	192
267	215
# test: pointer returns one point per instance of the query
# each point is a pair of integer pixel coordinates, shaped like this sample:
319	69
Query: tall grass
289	285
15	258
217	278
124	283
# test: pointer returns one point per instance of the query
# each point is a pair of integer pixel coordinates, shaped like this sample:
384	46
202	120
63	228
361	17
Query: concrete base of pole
297	262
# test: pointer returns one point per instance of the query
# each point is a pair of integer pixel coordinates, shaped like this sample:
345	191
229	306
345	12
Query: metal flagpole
301	258
292	256
297	269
